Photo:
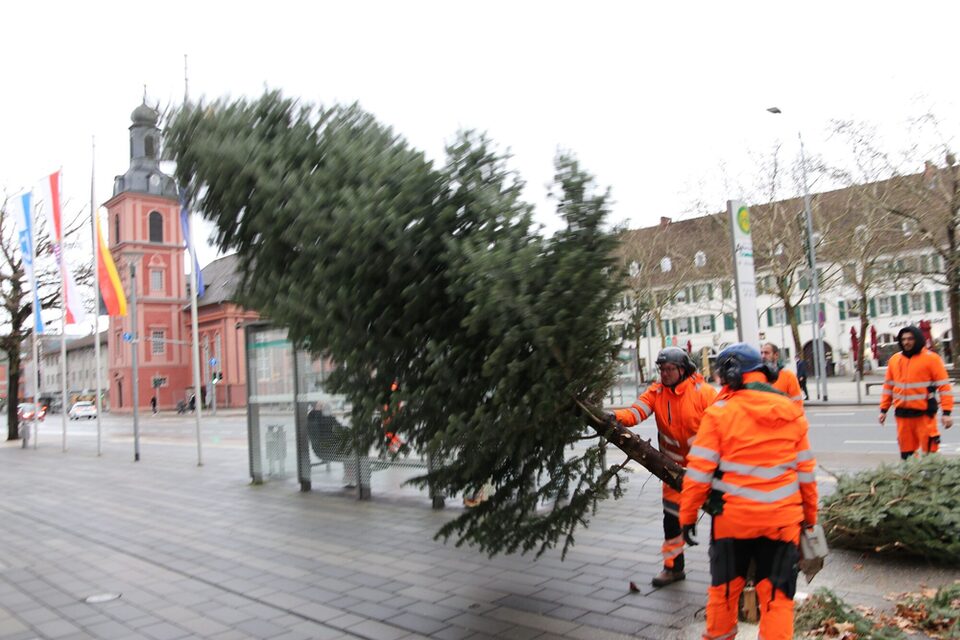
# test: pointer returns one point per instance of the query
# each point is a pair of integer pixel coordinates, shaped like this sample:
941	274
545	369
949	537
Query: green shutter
905	304
713	323
728	323
893	305
709	291
926	302
769	317
873	308
843	309
804	283
689	291
674	327
938	297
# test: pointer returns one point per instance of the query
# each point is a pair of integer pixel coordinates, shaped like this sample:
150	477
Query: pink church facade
145	235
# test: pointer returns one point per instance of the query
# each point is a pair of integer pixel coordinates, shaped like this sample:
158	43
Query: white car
83	409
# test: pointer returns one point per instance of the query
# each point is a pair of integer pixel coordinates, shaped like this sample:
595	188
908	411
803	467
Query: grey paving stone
418	623
164	631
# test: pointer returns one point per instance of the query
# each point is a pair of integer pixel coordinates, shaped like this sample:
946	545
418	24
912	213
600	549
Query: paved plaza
198	552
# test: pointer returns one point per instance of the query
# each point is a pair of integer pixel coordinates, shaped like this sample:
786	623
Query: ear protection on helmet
730	373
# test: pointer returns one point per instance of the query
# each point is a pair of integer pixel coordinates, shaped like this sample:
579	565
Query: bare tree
924	205
16	299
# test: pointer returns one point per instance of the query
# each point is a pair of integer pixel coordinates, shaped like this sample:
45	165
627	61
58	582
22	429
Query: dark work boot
668	576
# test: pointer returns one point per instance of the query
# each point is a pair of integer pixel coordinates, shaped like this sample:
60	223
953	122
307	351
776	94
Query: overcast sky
653	97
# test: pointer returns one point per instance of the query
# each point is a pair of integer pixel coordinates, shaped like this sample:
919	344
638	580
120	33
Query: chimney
664	221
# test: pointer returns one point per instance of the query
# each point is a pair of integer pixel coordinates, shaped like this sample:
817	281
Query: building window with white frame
916	302
704	324
779	316
156	279
883	305
156	338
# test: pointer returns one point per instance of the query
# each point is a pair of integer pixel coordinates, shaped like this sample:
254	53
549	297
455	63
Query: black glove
690	530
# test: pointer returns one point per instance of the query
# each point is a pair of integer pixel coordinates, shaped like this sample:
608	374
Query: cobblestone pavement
197	552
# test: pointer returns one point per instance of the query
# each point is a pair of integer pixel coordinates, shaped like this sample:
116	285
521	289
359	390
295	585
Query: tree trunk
791	317
862	339
639	450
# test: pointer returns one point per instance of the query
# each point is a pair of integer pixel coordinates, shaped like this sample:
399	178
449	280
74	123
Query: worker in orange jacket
678	401
915	377
752	465
786	381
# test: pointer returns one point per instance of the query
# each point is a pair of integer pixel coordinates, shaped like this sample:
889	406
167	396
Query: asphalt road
835	432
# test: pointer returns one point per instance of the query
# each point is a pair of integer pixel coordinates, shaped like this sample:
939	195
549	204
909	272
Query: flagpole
194	280
37	322
54	233
96	285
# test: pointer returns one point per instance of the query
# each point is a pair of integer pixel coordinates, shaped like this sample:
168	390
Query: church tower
145	233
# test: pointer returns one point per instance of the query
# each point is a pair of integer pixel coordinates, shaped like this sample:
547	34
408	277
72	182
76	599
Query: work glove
690	530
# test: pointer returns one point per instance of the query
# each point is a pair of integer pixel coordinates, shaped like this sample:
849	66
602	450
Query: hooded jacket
914	379
752	446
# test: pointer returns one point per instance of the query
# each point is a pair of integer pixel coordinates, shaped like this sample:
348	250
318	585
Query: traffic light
217	376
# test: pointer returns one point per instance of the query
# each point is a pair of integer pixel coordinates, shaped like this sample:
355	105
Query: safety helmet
679	357
736	360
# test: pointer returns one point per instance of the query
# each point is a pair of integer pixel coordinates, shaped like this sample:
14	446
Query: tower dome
145	116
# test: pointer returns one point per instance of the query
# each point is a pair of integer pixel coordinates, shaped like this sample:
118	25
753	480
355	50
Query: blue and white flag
188	241
24	221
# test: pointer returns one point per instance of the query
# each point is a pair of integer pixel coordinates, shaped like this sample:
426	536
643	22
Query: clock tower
145	236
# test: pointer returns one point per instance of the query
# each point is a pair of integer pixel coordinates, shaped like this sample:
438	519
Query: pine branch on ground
931	613
911	508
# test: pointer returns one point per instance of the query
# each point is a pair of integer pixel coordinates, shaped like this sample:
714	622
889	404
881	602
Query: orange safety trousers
672	548
918	433
775	559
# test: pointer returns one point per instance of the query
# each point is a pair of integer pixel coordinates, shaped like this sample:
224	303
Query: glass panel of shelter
271	423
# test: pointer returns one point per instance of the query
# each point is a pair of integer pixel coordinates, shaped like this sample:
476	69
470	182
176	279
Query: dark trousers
803	387
672	529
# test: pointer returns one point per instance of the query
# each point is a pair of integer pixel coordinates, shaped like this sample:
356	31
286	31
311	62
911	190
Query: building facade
685	271
147	243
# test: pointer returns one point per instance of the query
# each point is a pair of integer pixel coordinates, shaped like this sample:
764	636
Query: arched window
116	228
156	226
150	147
700	259
666	264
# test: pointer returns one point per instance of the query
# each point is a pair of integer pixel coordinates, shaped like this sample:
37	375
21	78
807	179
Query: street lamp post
819	360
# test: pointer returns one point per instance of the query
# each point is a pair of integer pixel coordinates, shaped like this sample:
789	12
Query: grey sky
653	98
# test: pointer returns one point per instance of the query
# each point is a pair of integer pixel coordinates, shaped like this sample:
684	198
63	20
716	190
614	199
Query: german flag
110	288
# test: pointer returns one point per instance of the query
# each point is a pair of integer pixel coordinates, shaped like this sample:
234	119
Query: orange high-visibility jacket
757	441
787	383
677	410
908	382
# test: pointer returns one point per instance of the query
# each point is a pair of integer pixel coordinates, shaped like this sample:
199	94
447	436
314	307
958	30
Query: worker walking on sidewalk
752	465
915	377
678	402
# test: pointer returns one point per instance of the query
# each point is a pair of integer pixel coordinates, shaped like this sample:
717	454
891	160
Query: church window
156	226
156	279
150	147
156	337
116	228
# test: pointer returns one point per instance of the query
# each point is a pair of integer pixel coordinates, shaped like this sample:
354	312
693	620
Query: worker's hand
690	530
882	418
947	421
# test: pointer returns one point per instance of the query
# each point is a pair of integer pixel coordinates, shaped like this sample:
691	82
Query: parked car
25	411
83	409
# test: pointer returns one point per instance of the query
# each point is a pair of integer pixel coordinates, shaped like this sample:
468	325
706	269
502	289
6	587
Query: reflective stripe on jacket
787	383
752	446
912	382
678	412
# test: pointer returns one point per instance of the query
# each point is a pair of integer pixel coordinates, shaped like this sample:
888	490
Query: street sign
213	362
127	336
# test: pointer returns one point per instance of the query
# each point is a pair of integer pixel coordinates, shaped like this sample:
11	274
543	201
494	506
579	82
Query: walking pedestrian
915	377
153	404
802	376
786	381
752	458
678	402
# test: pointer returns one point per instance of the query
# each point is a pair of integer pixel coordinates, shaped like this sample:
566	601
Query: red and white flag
72	304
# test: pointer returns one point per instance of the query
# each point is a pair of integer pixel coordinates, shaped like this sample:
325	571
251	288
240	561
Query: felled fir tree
434	277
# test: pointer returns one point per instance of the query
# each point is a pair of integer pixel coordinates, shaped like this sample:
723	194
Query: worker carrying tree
915	377
751	464
678	402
